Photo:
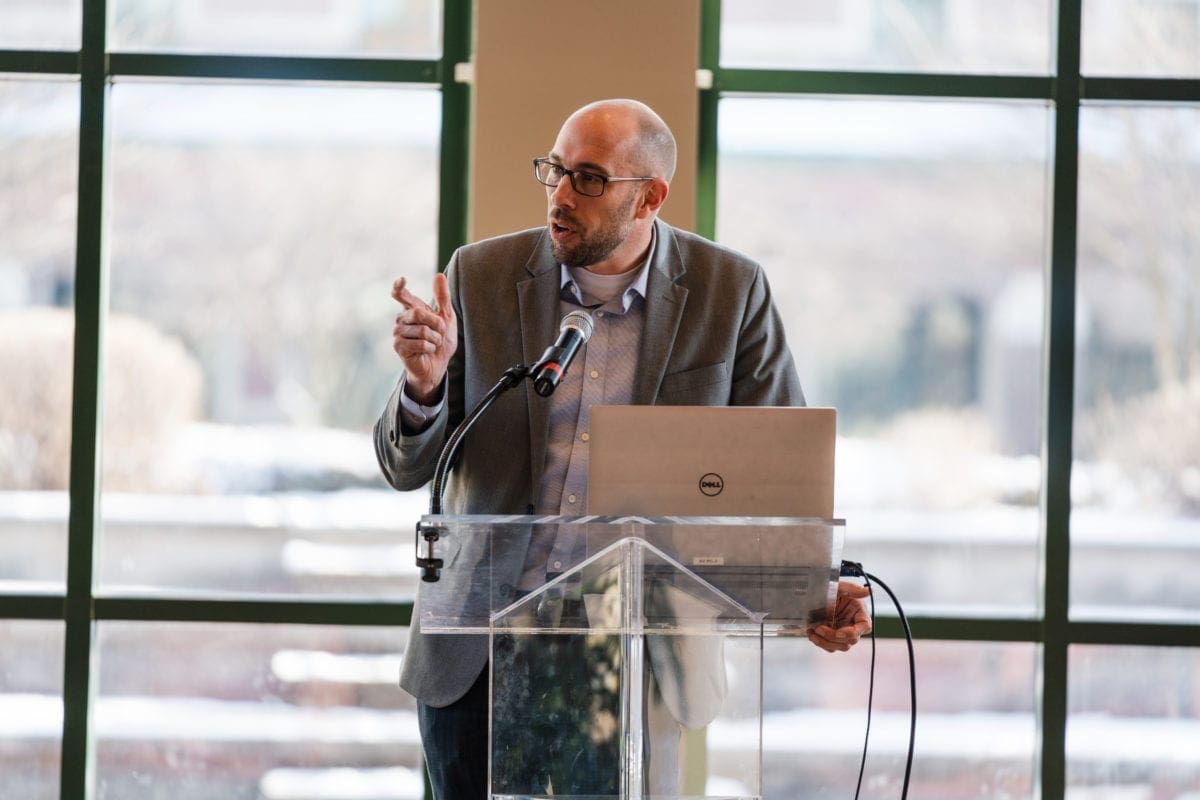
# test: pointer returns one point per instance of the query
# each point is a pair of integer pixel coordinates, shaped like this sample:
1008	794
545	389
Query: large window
204	205
924	329
320	27
39	145
40	24
255	232
1141	37
911	35
1136	476
270	711
980	223
31	707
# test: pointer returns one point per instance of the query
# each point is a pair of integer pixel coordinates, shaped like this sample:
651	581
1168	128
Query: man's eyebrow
586	166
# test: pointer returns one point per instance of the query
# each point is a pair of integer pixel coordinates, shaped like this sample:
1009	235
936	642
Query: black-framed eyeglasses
589	184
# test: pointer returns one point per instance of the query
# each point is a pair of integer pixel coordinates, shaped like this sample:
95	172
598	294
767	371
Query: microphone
573	333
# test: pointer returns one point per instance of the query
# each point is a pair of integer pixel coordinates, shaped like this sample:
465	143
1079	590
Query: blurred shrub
152	387
942	457
1153	441
35	405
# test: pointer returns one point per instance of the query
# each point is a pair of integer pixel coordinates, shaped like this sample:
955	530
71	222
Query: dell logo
711	484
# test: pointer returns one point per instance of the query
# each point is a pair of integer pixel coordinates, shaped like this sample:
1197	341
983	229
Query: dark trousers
556	713
455	740
549	696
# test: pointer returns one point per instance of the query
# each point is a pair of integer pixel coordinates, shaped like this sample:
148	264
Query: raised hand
425	337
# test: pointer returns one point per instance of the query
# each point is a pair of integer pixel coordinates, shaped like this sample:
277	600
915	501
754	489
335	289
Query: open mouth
560	231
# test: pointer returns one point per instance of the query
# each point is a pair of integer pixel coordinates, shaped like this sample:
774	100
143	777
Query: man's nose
564	193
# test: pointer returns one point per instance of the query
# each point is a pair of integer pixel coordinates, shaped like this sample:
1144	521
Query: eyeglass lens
585	183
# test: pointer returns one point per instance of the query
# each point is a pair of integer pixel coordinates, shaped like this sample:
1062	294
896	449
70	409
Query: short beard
607	239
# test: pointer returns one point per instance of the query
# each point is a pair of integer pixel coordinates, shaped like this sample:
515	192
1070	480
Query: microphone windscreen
580	321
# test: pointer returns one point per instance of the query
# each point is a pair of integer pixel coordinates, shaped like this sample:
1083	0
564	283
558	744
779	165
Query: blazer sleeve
408	461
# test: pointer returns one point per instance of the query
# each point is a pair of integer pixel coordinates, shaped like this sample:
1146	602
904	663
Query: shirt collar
569	290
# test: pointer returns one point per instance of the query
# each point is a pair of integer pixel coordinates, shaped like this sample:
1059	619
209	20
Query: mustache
563	218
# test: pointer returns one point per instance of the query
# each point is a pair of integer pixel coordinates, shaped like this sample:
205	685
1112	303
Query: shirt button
585	437
558	565
594	374
570	498
599	313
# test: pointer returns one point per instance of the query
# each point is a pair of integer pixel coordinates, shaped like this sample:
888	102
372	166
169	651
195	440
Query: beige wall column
536	61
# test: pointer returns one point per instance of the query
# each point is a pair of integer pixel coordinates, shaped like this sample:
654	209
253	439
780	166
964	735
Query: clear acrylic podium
632	668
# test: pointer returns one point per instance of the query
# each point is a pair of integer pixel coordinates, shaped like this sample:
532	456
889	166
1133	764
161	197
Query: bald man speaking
678	320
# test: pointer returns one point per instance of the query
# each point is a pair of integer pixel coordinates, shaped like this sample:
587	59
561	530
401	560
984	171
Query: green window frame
1065	89
95	67
79	607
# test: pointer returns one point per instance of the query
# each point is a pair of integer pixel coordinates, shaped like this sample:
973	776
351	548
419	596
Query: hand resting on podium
850	620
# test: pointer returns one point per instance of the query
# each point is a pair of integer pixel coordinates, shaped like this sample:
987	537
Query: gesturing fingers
441	298
412	337
404	297
417	312
424	336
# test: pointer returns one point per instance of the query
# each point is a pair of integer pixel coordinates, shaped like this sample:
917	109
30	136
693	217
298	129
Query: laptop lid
711	461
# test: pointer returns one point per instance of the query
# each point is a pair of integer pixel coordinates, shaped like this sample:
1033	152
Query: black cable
912	683
862	765
850	568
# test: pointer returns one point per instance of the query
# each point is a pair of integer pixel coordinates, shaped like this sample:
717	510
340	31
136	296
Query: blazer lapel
665	300
538	299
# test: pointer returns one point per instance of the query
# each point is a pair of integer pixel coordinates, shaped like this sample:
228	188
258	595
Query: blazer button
506	590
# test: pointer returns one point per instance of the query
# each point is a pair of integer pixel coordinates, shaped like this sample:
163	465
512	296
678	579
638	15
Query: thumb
441	296
852	589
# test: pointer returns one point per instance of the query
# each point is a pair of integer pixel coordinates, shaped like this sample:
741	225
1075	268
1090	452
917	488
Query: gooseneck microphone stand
574	331
573	334
511	377
431	566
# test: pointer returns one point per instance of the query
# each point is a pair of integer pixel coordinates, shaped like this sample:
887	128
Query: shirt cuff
414	417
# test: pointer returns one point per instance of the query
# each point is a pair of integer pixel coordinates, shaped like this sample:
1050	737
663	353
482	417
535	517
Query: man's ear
653	196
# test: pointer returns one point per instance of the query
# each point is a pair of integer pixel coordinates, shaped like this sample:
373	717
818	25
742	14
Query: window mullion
709	105
90	302
1059	367
455	133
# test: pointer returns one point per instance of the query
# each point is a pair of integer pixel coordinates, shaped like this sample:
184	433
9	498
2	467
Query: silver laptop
711	461
695	461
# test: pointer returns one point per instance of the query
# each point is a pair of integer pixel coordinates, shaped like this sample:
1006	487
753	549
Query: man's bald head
649	143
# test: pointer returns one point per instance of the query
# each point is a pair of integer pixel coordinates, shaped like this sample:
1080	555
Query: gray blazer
712	336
